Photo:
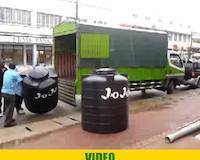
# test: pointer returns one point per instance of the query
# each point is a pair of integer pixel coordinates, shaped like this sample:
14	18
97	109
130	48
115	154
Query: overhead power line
87	5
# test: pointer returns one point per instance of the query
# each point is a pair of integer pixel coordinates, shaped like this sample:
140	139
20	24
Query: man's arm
18	77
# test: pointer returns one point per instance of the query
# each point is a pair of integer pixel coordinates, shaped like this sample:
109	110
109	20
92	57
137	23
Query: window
15	16
29	54
175	60
45	54
188	38
175	36
47	20
135	15
159	20
12	53
72	19
2	16
170	36
184	38
154	26
8	15
179	37
18	54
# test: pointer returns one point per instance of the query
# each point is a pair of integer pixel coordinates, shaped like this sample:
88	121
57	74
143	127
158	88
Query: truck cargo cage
66	91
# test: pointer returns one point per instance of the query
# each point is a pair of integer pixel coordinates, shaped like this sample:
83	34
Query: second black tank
40	90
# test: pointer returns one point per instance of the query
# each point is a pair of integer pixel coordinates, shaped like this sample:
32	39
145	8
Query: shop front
26	50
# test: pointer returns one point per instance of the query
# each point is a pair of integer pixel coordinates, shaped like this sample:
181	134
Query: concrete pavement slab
75	116
65	121
32	125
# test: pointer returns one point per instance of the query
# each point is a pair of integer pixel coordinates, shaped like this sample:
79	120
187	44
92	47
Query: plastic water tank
40	90
104	102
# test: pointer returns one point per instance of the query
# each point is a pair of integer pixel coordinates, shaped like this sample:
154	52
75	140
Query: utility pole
77	35
76	11
77	3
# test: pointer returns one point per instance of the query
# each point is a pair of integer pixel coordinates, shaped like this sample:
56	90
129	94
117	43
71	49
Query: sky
180	11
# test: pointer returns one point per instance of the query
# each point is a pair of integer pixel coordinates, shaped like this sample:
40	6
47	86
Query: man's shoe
21	111
11	124
1	114
13	120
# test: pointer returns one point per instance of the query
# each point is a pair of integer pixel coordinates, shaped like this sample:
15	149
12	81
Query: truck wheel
143	91
188	70
198	84
170	87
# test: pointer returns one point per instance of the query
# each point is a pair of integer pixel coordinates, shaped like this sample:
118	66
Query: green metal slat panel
94	45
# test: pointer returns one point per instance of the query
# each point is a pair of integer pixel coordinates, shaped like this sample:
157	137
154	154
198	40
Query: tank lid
104	71
38	73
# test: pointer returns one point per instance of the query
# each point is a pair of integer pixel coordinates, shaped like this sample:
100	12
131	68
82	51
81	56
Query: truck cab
191	75
174	72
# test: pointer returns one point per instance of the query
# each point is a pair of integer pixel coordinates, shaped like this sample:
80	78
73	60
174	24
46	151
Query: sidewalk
32	125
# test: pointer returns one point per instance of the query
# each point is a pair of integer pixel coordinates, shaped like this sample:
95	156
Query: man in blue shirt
19	99
10	80
2	70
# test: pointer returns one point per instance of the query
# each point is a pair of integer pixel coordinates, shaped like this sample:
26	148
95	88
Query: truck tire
143	91
198	84
188	71
170	87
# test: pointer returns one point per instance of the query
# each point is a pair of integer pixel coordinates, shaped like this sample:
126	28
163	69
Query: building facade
21	40
26	27
179	35
26	30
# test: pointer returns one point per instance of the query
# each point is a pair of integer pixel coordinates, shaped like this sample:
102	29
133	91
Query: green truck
141	55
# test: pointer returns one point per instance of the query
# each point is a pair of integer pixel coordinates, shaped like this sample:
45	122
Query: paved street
151	118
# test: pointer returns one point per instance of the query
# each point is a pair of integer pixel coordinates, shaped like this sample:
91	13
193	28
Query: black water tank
40	90
104	102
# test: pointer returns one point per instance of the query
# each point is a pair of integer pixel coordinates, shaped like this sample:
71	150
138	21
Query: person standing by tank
11	79
2	70
19	98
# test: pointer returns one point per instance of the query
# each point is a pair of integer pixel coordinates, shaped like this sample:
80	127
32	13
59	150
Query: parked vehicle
192	72
141	55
